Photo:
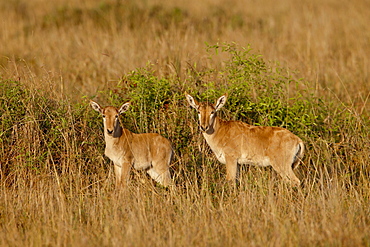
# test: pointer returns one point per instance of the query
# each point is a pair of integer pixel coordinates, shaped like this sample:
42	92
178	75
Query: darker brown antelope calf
148	151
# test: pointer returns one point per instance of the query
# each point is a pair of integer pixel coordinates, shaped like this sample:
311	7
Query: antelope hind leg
287	175
162	178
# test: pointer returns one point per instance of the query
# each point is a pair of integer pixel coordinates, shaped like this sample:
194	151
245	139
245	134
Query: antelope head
207	112
110	116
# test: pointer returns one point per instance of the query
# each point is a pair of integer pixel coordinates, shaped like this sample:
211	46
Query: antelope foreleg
231	169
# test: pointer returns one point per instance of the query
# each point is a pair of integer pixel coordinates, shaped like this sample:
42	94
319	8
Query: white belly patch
260	161
221	157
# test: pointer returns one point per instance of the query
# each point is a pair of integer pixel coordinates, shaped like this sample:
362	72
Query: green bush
260	93
43	135
68	135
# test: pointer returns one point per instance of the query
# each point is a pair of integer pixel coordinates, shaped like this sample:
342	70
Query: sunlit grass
57	187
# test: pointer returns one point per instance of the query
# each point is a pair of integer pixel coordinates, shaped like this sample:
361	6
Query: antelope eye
212	112
103	116
116	116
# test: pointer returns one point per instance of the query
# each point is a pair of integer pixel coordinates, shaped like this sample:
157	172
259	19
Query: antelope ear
220	102
95	106
124	107
192	102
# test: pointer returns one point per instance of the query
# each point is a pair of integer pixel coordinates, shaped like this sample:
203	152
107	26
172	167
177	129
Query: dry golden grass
82	46
69	49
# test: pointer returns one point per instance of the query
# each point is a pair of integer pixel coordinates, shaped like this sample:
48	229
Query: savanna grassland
303	65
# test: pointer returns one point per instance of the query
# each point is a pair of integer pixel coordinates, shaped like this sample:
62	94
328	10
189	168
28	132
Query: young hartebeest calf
235	142
148	151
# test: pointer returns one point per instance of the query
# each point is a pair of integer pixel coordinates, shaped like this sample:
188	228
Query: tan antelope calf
235	142
148	151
